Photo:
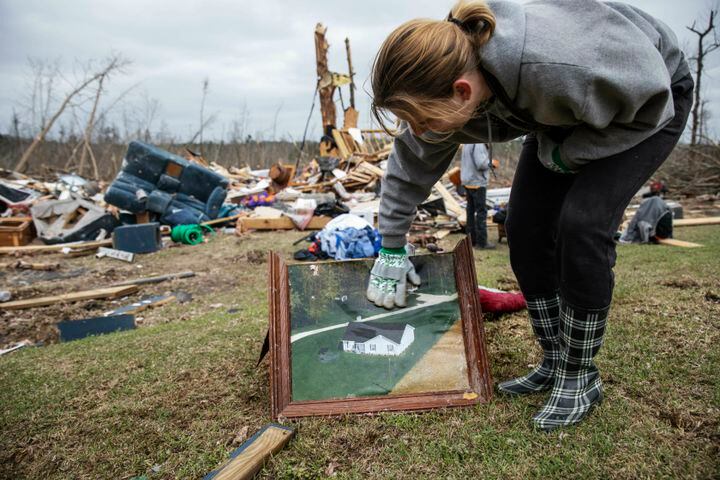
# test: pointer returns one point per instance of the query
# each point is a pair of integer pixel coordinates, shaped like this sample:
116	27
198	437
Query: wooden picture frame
478	371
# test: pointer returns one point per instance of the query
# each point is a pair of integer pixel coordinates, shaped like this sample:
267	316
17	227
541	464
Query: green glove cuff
393	251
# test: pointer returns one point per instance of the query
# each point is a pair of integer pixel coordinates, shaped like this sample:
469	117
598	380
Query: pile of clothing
345	237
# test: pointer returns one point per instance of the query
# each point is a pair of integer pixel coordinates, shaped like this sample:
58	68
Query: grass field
173	398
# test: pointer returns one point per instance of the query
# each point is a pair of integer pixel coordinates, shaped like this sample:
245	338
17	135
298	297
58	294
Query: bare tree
113	64
703	49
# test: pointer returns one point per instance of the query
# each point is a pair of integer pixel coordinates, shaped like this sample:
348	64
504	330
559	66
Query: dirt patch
682	282
212	263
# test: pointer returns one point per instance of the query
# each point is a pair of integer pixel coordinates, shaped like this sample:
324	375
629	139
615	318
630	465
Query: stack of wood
365	175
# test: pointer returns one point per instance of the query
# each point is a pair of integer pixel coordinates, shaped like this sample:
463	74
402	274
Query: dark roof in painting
364	331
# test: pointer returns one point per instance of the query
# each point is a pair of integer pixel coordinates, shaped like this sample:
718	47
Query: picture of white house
374	338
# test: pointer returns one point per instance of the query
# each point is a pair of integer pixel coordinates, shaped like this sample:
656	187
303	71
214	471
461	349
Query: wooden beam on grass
694	222
250	457
677	243
111	292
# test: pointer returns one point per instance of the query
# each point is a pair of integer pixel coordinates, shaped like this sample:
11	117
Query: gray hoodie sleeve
413	168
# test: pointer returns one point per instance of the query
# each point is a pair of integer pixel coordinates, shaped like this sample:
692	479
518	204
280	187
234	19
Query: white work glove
389	277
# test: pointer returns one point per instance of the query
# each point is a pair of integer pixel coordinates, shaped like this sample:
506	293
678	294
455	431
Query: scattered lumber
250	457
157	279
21	265
692	222
110	292
677	243
72	247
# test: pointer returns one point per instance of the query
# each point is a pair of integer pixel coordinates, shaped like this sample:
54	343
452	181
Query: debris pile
160	200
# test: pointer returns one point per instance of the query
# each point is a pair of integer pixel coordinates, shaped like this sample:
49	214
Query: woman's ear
462	88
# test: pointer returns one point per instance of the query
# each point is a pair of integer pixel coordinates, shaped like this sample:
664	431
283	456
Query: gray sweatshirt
474	165
591	79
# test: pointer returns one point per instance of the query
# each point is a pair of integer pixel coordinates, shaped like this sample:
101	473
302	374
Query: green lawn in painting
333	294
322	370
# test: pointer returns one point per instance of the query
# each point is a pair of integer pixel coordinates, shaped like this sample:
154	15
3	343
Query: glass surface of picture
333	352
343	346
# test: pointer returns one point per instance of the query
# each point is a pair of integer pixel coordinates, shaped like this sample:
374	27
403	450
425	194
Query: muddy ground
216	265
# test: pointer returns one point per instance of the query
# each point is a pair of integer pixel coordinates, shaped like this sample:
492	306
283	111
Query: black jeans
560	227
477	215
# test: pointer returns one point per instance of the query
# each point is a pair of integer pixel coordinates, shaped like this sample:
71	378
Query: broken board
76	246
77	329
692	222
112	292
677	243
250	457
282	223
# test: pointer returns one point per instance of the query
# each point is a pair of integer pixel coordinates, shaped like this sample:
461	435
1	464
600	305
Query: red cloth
496	301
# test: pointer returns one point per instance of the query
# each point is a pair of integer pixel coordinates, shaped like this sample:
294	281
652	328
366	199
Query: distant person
475	165
601	92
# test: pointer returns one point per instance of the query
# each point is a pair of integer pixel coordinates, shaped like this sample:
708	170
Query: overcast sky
258	55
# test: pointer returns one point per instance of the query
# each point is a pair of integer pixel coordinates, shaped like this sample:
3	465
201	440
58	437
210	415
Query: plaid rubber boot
545	319
577	388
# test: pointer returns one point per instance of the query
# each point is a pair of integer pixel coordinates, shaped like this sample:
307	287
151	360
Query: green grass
172	397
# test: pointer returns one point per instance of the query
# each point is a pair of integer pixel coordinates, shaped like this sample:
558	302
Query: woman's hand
389	277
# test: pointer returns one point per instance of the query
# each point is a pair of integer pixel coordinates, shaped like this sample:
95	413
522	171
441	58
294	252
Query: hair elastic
477	28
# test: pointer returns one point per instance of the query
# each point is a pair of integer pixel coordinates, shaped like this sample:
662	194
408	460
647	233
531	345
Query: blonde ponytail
475	18
418	62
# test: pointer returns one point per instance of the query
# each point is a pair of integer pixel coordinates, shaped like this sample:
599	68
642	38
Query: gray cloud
258	56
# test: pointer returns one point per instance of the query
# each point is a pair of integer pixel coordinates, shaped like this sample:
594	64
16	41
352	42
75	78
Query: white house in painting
374	338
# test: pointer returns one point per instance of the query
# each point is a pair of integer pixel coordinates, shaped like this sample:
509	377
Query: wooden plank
20	265
677	243
249	458
451	205
157	279
440	234
111	292
282	223
30	249
340	142
692	222
224	219
370	168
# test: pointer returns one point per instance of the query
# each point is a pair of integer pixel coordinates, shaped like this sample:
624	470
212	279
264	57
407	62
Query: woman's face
469	90
436	125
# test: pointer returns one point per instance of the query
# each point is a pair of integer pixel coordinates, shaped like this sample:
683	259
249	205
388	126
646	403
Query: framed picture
333	352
